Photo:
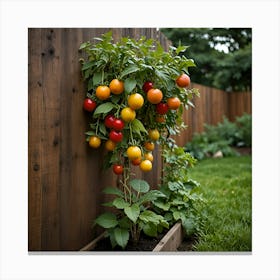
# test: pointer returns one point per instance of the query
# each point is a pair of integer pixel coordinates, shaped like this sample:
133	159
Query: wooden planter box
170	242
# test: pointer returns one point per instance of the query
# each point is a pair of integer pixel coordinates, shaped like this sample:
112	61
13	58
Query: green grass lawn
226	184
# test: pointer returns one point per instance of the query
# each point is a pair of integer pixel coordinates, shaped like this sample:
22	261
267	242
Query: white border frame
17	16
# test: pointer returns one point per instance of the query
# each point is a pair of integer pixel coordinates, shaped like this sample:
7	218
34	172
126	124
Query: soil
145	244
187	244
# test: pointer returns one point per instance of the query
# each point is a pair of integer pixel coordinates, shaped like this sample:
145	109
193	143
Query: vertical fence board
34	140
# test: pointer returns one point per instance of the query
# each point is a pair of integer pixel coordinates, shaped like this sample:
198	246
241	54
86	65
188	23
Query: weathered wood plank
171	241
35	101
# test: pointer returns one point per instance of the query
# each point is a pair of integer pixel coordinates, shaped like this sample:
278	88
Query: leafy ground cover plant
222	137
181	198
136	93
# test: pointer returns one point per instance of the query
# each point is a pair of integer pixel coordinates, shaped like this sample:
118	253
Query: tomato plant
139	104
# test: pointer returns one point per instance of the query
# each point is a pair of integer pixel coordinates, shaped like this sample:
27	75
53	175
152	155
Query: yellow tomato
146	165
127	114
116	86
154	134
133	152
149	156
135	101
94	142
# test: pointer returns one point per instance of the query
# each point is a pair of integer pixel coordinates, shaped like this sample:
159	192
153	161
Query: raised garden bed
165	242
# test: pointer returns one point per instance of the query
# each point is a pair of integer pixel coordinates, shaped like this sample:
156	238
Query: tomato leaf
132	212
139	185
107	220
150	229
129	85
120	203
112	190
128	70
121	236
138	126
104	108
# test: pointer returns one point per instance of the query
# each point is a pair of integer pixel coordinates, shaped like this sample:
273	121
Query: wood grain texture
211	107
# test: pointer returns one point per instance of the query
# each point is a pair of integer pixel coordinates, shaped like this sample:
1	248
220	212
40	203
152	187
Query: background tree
223	55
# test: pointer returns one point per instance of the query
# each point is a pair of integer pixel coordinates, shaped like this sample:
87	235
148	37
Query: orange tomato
102	92
173	103
160	119
110	145
150	146
154	95
116	86
136	161
183	80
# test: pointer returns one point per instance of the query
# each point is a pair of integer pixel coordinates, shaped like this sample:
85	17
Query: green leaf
88	65
90	133
120	203
102	129
151	196
125	222
139	185
181	49
129	85
168	216
97	78
104	108
176	215
173	186
150	216
132	212
108	204
138	126
106	220
188	225
150	229
121	236
112	190
84	45
162	205
128	70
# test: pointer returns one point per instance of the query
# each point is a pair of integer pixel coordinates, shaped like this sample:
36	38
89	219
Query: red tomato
89	105
115	136
162	108
109	121
118	124
118	169
147	86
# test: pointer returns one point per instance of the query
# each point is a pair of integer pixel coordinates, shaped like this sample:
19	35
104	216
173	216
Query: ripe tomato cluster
129	135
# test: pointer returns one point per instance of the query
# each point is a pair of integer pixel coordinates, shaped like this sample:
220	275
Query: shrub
222	137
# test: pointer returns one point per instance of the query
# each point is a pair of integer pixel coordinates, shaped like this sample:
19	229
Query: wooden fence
212	105
65	176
